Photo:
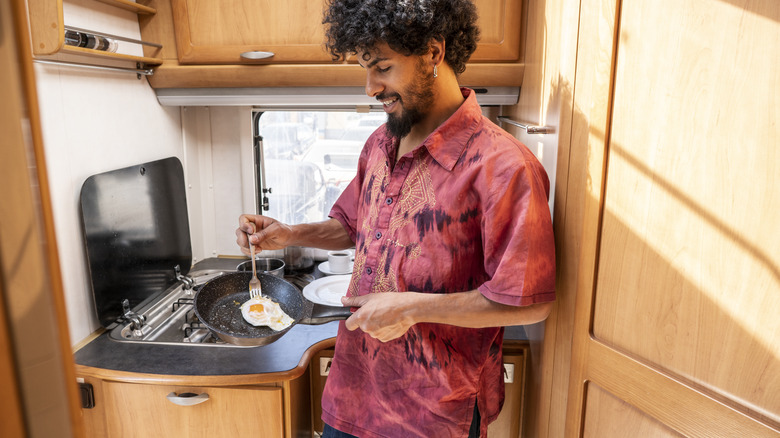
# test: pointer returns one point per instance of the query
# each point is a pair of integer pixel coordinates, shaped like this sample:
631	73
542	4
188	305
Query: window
308	159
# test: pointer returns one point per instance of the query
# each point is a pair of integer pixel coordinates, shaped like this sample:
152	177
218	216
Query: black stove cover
137	231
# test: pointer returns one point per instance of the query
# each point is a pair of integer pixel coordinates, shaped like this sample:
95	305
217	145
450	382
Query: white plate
327	290
325	269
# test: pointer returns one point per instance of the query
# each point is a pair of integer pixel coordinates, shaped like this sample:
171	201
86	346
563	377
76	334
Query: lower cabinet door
136	410
509	423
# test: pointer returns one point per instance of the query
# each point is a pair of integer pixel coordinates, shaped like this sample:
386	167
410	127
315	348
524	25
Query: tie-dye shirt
465	210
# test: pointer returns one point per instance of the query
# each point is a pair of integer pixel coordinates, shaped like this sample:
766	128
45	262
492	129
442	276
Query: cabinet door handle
187	398
257	55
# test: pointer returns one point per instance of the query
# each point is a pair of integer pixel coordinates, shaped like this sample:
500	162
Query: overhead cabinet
207	32
256	43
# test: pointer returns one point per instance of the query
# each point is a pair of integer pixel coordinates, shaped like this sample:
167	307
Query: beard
414	107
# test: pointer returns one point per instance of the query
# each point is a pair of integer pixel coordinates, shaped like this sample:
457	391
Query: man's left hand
380	315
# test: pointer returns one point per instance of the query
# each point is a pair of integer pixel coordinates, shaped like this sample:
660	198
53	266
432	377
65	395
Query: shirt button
369	271
378	234
389	201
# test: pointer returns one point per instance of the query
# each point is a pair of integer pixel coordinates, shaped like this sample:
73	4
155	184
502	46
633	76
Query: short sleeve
517	234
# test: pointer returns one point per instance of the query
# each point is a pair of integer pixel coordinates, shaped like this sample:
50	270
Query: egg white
271	314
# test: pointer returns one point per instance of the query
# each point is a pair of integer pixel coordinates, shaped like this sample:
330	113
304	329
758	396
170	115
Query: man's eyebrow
374	61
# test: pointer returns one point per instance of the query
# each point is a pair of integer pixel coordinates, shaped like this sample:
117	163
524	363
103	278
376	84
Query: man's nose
373	86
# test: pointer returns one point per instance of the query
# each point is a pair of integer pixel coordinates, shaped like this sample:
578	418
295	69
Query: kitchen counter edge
133	362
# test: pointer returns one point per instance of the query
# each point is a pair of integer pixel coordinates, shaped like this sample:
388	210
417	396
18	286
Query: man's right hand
262	231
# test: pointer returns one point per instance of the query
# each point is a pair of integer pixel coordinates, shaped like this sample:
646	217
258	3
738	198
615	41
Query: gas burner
182	302
171	319
195	332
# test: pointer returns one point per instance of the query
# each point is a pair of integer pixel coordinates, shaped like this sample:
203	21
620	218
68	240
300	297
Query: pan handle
187	398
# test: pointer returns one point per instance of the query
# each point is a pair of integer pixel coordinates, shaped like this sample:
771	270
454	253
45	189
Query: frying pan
218	306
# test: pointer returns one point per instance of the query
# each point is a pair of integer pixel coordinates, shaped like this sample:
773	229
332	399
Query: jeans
330	432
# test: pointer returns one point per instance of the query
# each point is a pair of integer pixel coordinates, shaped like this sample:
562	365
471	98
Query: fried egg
263	311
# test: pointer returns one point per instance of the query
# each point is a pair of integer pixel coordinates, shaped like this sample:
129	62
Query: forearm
329	234
386	316
471	309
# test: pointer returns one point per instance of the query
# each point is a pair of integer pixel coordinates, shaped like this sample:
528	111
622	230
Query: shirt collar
447	142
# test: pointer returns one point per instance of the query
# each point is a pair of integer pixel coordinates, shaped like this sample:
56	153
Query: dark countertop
284	359
283	356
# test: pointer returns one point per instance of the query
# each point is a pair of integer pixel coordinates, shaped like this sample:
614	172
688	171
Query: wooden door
675	160
209	32
39	396
132	410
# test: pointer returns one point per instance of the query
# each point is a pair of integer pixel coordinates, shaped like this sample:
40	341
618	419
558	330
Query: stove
171	320
137	238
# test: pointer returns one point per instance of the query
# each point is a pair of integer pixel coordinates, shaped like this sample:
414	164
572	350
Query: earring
435	74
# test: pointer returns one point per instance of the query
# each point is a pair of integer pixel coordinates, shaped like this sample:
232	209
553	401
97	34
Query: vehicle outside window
287	139
309	158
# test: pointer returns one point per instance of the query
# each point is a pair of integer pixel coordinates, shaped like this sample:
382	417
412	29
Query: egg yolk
256	308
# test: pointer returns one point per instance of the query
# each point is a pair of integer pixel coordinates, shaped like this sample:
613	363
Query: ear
436	51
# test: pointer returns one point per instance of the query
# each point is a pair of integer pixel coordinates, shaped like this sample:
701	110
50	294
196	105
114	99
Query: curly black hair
407	26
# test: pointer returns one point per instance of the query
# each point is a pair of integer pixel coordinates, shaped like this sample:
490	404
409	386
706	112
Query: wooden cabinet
204	42
207	32
48	29
135	408
669	280
320	367
145	410
510	420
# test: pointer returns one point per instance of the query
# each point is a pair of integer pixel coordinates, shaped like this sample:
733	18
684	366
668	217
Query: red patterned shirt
465	210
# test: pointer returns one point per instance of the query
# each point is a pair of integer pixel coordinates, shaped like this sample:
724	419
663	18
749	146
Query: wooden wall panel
609	416
39	396
546	99
674	169
688	272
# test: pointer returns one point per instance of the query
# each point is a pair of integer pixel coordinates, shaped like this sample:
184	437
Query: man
452	233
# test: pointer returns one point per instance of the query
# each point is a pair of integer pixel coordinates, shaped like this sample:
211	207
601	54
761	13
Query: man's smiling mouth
390	101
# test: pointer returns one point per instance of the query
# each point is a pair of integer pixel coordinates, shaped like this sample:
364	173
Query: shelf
110	55
47	31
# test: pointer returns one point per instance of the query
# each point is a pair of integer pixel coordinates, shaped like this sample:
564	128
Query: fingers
354	301
375	315
247	225
242	240
379	332
263	232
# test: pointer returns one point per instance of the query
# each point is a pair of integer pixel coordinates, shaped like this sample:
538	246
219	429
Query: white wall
219	174
94	121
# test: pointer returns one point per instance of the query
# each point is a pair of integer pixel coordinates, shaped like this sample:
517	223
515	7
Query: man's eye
382	70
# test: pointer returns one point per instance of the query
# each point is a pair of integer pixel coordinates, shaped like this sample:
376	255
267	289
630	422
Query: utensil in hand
254	283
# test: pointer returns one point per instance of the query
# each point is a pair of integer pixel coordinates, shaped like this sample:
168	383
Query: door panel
208	32
607	415
680	283
683	228
144	410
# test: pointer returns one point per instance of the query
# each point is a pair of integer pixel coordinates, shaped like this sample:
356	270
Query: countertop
284	359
